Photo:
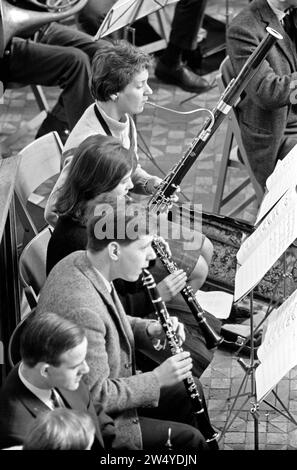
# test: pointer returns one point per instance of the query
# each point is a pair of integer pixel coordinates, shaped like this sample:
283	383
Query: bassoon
203	422
161	199
212	339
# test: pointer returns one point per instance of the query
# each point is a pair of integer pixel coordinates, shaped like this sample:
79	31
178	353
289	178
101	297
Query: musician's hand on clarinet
155	330
174	369
171	285
174	197
178	328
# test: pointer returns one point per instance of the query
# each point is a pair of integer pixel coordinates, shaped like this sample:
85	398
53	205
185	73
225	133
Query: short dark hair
46	337
99	163
60	429
113	67
118	219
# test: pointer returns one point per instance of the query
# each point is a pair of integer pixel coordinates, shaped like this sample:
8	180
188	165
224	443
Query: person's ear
44	369
114	250
114	96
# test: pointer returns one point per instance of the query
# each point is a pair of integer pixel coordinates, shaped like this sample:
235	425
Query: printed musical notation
283	178
278	351
269	241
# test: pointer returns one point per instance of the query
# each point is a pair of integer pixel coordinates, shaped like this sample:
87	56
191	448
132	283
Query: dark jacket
19	406
266	109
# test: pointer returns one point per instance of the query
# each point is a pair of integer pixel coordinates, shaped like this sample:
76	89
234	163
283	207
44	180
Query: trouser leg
68	68
157	434
186	22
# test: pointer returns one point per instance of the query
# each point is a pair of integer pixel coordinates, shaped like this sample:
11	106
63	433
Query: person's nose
148	90
84	368
151	254
130	184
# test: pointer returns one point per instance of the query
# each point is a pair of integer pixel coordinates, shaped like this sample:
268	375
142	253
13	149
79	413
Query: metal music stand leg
248	375
250	370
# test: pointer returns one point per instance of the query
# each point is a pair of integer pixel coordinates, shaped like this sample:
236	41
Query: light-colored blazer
264	111
75	290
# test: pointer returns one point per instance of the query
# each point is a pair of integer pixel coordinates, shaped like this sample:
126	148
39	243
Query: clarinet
204	425
160	200
212	339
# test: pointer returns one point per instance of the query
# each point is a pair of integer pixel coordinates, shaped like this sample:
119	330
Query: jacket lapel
269	19
115	309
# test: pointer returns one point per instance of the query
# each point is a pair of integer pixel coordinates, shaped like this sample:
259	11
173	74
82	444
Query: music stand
125	12
256	256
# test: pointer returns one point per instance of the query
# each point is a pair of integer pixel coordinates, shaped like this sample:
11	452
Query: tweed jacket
75	290
19	407
264	111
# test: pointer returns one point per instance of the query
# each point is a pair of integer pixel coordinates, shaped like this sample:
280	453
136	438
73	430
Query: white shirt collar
43	394
280	14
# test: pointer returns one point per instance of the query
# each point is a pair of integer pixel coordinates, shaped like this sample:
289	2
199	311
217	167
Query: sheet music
283	177
218	303
278	351
125	12
263	248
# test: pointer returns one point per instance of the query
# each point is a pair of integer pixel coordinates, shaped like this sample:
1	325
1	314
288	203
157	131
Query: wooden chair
233	136
14	353
40	161
32	266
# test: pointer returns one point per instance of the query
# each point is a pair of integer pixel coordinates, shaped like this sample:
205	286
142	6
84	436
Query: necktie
56	400
288	24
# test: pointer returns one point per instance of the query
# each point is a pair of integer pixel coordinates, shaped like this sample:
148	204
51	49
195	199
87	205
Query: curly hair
113	67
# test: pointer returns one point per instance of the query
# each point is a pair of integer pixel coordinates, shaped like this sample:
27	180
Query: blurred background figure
182	54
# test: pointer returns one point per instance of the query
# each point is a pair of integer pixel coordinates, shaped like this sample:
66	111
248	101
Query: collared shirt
278	13
44	395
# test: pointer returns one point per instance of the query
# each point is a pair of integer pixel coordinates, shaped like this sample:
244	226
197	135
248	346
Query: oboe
160	200
204	425
212	339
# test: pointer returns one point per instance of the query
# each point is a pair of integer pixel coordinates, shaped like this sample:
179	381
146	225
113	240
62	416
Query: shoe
181	76
52	123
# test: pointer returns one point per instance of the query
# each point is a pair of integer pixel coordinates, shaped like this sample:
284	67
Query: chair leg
223	171
40	98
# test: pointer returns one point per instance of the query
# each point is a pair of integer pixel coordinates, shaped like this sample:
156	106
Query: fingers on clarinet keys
174	369
172	284
175	196
179	329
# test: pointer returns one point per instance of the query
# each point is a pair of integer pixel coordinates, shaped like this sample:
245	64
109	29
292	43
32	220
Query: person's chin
133	277
74	386
139	109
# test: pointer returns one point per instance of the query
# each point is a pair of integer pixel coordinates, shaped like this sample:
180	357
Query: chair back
32	263
39	162
14	353
233	135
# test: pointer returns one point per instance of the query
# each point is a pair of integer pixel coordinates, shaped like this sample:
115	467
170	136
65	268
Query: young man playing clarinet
151	410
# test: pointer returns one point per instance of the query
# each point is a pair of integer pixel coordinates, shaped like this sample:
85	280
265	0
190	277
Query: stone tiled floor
168	136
